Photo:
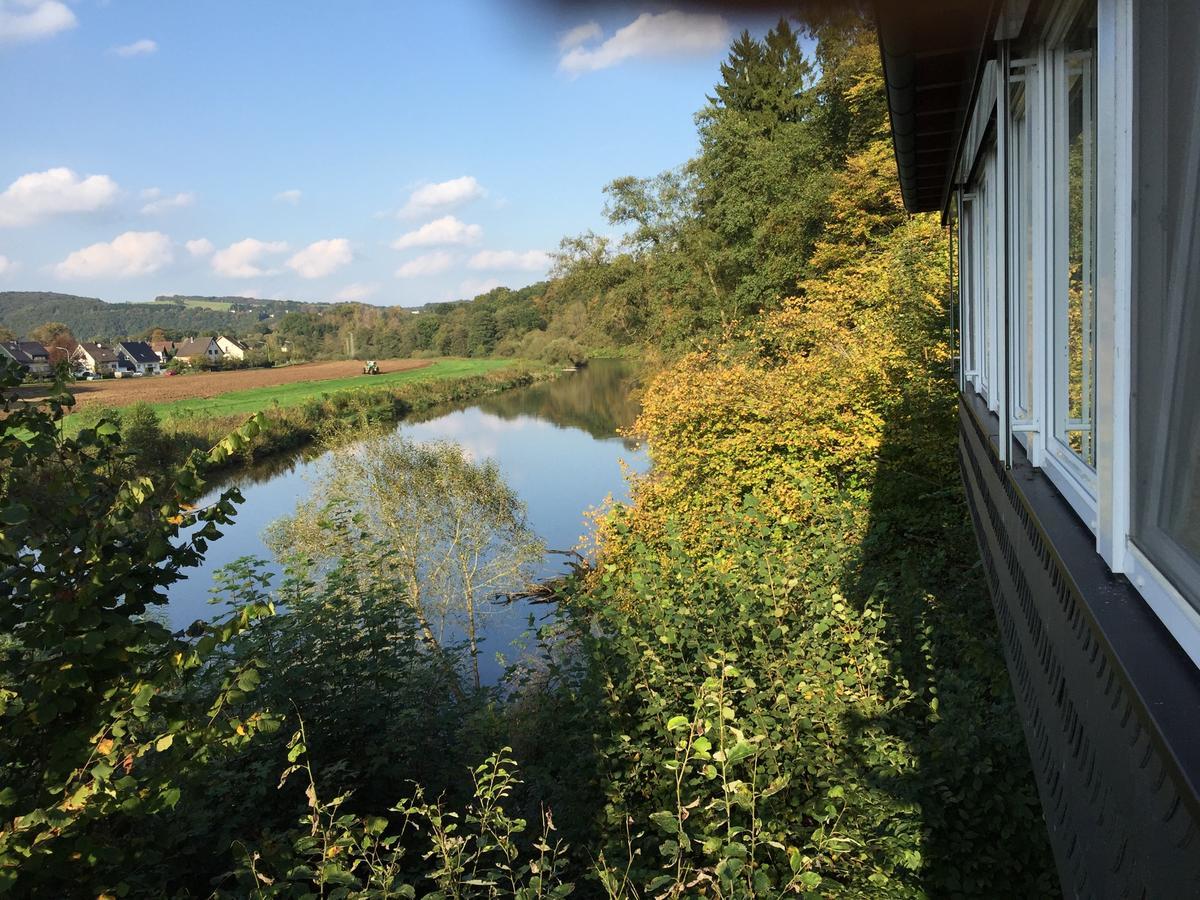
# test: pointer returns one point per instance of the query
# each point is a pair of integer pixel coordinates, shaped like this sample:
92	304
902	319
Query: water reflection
597	399
556	445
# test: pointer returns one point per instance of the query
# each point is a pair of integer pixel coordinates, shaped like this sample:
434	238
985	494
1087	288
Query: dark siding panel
1122	818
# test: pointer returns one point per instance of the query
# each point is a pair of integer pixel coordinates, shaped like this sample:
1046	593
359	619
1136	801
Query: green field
239	403
219	305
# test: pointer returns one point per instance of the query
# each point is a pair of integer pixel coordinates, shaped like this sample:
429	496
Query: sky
390	152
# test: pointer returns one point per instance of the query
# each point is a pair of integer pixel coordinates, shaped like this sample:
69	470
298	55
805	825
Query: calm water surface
556	445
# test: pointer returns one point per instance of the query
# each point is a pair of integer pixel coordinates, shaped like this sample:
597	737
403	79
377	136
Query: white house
198	350
95	358
1060	142
231	348
138	356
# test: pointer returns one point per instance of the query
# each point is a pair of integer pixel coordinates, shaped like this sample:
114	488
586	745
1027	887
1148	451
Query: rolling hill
91	318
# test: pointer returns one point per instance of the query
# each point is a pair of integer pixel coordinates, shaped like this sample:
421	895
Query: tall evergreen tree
767	81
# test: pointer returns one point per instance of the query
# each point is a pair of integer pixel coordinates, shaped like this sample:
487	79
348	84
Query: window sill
1160	677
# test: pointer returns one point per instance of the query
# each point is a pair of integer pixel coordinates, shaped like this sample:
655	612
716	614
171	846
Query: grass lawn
239	403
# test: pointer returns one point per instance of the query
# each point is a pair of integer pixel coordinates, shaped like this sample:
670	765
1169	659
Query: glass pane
987	261
970	298
1166	302
1077	385
1022	234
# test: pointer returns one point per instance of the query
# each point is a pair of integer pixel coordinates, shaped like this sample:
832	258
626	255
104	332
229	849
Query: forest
780	676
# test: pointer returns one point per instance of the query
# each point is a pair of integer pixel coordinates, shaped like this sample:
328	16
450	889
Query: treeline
502	322
706	245
91	319
781	677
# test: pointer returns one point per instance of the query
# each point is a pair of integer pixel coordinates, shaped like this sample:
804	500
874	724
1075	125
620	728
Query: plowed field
204	385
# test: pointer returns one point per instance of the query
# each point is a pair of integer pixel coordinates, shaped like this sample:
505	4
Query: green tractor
370	367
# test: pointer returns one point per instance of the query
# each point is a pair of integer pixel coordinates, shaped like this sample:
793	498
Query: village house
197	350
29	355
231	348
138	356
95	358
164	350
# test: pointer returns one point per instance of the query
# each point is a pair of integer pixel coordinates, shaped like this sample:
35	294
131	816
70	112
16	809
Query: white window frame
1114	375
1028	352
1074	479
984	270
968	223
1100	496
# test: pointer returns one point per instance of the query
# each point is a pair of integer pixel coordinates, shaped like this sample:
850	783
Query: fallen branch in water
549	590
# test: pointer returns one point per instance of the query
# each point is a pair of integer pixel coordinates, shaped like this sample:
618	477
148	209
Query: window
982	310
1098	219
967	295
1074	150
1021	276
1166	293
991	260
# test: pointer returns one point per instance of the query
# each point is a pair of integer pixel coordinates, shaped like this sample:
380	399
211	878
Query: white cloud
30	20
291	197
442	195
161	204
356	292
528	261
7	265
446	230
199	247
580	34
244	259
650	34
321	258
427	264
144	47
129	254
473	287
39	195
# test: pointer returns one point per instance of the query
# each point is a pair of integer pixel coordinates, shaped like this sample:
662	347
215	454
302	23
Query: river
555	443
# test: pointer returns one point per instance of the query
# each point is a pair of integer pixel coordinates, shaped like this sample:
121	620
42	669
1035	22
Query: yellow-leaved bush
803	685
794	410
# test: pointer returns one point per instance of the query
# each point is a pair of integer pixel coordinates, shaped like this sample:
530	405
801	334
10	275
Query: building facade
197	350
31	356
1060	141
231	348
99	359
138	356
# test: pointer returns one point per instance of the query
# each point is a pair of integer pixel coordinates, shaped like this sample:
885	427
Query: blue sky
395	152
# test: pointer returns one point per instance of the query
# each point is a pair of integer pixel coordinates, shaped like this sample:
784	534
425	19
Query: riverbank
295	415
204	386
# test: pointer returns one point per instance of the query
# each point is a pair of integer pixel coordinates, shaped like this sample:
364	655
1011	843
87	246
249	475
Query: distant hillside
241	304
90	318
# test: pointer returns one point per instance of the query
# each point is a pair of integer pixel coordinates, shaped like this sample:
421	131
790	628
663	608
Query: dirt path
163	389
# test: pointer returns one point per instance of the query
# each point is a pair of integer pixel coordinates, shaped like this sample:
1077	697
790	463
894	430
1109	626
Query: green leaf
248	680
164	742
738	752
14	514
729	868
666	821
676	723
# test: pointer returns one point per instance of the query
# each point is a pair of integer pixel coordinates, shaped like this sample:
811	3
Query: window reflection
1077	384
